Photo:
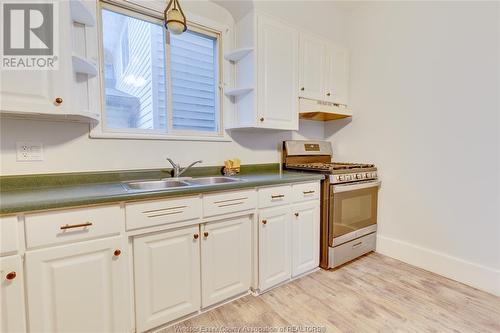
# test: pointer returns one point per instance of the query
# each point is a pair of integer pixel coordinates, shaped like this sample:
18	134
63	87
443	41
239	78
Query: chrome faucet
177	168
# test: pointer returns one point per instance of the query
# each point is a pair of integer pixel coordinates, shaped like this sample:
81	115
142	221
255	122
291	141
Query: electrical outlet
29	151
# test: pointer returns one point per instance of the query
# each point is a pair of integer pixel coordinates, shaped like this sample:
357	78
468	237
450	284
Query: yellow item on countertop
232	167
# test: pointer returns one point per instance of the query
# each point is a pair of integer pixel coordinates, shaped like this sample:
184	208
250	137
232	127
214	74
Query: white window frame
200	25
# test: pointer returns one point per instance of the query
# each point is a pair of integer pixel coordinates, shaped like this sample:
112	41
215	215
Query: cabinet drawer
72	225
229	202
303	192
147	214
9	237
274	196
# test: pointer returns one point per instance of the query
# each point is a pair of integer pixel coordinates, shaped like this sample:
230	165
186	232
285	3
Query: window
157	84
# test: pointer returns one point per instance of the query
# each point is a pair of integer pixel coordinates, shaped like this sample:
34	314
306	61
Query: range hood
323	111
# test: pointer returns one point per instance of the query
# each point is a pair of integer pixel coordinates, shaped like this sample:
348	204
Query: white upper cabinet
79	287
324	70
312	67
337	75
70	90
277	75
266	78
226	256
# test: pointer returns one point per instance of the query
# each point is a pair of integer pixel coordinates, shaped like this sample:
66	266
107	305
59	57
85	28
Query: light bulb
175	22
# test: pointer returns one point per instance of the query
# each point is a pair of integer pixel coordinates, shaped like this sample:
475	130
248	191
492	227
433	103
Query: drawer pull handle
264	221
297	214
195	236
205	234
117	252
357	244
308	192
71	226
11	276
231	204
228	200
277	196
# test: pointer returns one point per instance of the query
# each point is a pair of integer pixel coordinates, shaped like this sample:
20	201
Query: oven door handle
354	187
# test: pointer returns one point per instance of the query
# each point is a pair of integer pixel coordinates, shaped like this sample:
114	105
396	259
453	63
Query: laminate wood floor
373	294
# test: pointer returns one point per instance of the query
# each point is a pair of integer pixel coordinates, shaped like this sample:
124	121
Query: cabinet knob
205	234
117	252
264	221
297	214
195	236
59	101
261	119
328	94
302	89
11	276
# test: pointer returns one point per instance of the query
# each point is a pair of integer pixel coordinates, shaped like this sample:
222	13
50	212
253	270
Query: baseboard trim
472	274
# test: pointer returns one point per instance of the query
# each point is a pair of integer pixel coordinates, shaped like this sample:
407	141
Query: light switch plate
29	151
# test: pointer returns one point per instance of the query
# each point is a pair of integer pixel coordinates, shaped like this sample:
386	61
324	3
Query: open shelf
238	54
84	66
80	13
232	92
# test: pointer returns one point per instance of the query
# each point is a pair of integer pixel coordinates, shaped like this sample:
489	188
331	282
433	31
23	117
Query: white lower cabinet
226	253
305	237
167	276
81	287
274	246
12	295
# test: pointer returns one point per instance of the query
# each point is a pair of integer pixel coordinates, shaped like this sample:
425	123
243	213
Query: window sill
139	136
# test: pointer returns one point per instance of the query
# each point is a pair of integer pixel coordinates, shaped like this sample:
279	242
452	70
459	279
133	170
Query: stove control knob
367	175
359	176
348	177
341	178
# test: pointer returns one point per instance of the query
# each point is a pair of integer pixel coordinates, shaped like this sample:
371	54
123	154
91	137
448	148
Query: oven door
353	211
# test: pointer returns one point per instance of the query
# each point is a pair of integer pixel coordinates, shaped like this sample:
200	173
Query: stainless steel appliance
349	196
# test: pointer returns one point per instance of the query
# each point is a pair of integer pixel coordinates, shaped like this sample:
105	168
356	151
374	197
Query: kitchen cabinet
226	257
12	295
266	81
305	237
80	287
324	70
312	67
167	276
69	90
274	246
337	75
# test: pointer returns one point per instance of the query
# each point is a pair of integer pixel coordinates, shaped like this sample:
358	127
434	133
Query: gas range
316	157
348	200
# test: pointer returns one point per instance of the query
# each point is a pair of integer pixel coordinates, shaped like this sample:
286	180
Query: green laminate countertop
37	197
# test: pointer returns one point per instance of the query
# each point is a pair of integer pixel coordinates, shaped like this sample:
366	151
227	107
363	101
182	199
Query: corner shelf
233	92
238	54
84	66
80	13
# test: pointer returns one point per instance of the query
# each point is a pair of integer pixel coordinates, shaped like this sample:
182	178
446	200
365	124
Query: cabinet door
12	295
35	91
167	276
311	67
305	237
226	259
337	75
274	246
79	287
277	75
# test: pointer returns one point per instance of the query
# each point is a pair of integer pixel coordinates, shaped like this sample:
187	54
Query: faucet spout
177	170
188	167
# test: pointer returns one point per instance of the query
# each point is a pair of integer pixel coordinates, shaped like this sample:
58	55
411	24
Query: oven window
354	210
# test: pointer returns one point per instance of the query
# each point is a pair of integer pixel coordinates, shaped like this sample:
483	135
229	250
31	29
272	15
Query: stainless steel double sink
164	184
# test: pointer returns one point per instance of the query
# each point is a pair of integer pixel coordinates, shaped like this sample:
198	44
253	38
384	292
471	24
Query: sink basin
213	180
153	185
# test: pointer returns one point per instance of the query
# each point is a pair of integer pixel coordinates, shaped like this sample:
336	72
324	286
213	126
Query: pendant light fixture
175	20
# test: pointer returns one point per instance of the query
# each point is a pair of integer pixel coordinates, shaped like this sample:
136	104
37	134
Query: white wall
425	94
67	147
